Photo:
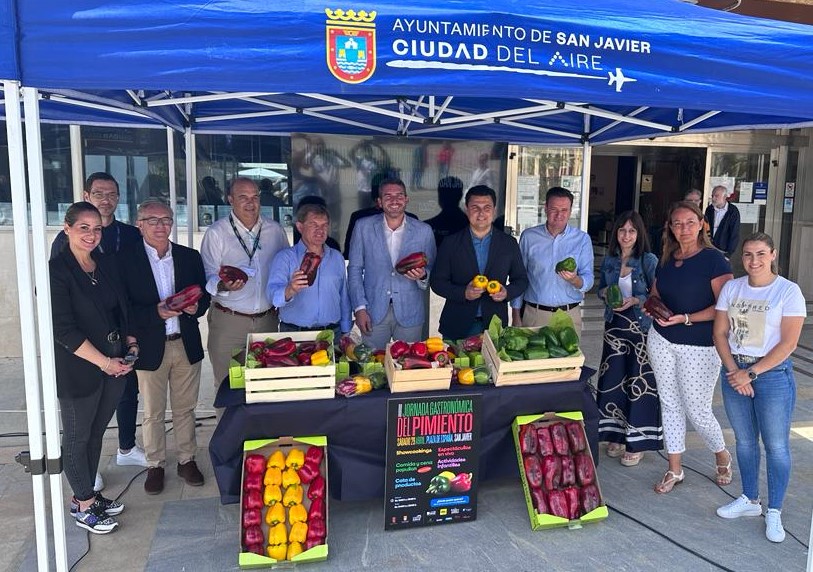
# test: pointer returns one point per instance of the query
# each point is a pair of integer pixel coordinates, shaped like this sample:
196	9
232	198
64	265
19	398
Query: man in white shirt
723	220
247	241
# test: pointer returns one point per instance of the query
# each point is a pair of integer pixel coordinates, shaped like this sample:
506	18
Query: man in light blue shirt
324	305
542	247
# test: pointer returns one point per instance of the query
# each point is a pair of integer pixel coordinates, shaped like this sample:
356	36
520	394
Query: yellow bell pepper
465	376
295	458
273	476
277	551
434	345
298	513
493	286
299	532
276	460
272	495
290	477
294	549
275	514
479	281
320	358
293	495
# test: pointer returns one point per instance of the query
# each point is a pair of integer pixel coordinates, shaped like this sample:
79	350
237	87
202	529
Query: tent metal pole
173	193
46	328
77	163
33	397
586	160
191	180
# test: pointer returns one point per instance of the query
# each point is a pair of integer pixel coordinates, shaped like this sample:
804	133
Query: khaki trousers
183	381
535	317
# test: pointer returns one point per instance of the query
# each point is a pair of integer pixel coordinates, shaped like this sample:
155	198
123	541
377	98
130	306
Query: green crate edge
318	440
548	521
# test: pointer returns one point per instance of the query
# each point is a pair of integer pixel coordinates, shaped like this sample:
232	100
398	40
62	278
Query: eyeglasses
98	196
155	221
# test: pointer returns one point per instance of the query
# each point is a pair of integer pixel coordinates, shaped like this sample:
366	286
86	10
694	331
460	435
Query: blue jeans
126	413
767	414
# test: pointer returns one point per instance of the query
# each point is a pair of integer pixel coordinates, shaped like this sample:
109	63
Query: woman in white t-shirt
757	326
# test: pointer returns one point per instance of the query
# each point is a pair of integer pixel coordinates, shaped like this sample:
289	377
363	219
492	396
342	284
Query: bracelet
104	369
687	321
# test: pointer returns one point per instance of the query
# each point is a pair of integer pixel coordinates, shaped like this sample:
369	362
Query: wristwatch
752	374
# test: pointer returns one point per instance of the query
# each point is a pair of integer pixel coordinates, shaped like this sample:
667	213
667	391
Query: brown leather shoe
155	480
190	473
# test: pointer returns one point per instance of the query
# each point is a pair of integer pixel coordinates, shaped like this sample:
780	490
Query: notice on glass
761	193
749	213
746	192
433	455
527	217
528	190
787	207
790	190
646	183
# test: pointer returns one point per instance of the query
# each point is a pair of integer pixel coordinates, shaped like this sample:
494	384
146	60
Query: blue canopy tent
537	71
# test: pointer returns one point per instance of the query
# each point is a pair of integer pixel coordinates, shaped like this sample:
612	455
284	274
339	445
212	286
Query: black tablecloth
356	431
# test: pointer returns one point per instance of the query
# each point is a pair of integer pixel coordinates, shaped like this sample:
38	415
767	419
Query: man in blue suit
389	305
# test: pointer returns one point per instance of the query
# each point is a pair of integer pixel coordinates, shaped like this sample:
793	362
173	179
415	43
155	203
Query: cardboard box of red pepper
284	502
557	470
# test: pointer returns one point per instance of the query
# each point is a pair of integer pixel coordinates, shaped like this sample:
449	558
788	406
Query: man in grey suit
389	305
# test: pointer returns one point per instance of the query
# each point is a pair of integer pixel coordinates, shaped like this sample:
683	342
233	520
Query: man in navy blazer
477	250
724	221
389	305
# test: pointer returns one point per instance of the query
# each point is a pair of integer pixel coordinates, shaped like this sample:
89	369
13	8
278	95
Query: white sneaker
98	484
773	525
741	506
134	457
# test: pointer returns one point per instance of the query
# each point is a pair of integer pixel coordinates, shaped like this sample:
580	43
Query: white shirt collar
153	252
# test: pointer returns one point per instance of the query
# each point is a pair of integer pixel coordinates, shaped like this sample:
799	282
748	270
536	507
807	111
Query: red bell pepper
584	469
310	543
575	433
559	434
527	439
280	348
552	472
461	483
255	464
317	530
540	503
279	361
251	517
411	362
314	455
252	499
307	347
317	510
544	442
256	548
442	357
316	490
533	471
398	348
253	535
590	500
419	350
322	345
557	504
308	471
572	498
568	472
303	358
253	482
473	343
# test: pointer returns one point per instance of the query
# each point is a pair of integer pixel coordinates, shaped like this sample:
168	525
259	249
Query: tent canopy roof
545	71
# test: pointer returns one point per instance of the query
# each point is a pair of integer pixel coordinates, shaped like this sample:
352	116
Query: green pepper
537	342
439	485
481	375
536	353
550	337
516	355
378	379
515	342
568	264
569	339
613	296
557	351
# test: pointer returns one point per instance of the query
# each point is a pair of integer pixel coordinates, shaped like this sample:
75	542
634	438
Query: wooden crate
293	383
530	370
403	380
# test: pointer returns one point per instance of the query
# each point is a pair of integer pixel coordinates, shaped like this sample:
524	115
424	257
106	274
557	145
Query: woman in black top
90	326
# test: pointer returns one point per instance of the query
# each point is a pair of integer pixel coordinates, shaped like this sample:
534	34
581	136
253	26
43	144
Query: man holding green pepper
559	262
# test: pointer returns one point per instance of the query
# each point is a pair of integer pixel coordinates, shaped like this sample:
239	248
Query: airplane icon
618	79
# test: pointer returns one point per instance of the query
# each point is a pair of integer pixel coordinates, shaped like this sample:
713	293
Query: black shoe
190	473
155	480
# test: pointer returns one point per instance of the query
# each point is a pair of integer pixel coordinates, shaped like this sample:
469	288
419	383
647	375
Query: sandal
631	459
724	474
668	482
615	450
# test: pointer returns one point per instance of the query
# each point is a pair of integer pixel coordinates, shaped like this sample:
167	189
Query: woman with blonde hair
689	278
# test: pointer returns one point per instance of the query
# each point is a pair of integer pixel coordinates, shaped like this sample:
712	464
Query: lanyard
118	239
255	247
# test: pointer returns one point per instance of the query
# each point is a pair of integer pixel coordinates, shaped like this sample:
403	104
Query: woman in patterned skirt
627	394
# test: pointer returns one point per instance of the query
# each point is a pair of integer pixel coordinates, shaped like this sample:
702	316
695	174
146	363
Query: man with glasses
247	241
170	349
544	246
722	221
389	305
102	191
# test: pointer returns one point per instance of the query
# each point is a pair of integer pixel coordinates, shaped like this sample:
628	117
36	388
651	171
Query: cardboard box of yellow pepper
557	470
284	502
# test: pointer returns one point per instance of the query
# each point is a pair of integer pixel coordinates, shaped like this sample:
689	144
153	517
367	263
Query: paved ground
186	528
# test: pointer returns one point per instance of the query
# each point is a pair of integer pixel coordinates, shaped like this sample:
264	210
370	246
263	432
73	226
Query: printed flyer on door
433	450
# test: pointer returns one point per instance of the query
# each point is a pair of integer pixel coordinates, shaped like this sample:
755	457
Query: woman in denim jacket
627	394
